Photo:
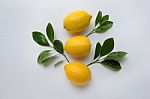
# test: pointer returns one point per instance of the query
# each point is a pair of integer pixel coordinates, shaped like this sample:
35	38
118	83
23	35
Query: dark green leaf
101	29
50	32
112	64
58	46
116	55
43	56
98	18
104	27
107	46
40	38
59	62
97	50
108	24
104	19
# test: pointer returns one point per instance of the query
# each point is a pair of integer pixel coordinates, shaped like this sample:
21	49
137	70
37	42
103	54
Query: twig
90	33
66	58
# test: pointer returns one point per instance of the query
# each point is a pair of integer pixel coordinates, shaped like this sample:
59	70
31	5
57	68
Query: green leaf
50	32
40	38
59	62
116	55
97	50
58	46
98	18
107	46
112	64
107	24
101	29
104	19
43	56
104	27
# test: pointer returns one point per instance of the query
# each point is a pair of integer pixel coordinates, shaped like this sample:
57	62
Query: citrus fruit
77	21
78	73
78	46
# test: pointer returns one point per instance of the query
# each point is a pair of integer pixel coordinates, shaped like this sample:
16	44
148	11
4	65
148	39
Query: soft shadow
49	62
59	64
84	87
123	60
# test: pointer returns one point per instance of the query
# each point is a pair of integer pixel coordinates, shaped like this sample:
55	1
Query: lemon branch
55	45
104	55
102	24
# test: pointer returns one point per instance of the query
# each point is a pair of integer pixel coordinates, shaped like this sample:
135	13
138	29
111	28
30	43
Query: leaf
58	46
104	19
50	32
107	46
112	64
59	62
107	24
101	29
43	56
116	55
40	38
98	18
97	50
104	27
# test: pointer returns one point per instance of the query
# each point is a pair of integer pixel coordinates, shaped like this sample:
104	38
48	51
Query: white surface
22	78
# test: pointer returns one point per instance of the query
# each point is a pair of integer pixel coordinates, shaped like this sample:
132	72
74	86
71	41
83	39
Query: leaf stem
96	61
90	33
66	58
62	54
91	63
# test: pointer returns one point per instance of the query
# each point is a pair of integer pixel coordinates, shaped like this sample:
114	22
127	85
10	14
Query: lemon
77	21
78	73
78	46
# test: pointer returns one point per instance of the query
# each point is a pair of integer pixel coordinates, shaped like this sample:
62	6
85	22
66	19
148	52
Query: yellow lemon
78	46
78	73
77	21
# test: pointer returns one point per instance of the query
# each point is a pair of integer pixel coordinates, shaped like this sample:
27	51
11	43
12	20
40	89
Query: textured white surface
22	78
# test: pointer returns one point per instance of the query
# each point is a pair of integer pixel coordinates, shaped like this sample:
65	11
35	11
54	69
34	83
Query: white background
22	78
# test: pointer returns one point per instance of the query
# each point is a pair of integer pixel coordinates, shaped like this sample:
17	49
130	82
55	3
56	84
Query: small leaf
97	50
59	62
116	55
58	46
50	32
112	64
104	19
104	27
107	46
43	56
40	38
98	18
108	24
101	29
